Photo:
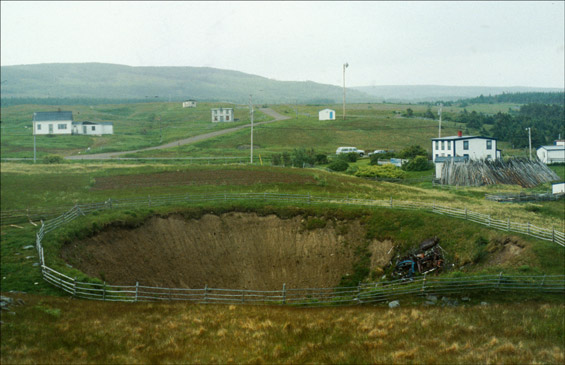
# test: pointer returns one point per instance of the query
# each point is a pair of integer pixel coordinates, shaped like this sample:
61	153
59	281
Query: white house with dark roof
461	148
222	115
59	122
326	114
189	103
552	154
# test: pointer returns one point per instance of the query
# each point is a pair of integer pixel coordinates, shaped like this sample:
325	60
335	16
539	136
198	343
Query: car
341	150
376	152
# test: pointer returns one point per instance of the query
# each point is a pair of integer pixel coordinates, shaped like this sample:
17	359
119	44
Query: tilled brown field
200	177
234	250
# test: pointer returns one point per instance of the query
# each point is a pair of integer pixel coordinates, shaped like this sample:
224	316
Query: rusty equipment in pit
427	258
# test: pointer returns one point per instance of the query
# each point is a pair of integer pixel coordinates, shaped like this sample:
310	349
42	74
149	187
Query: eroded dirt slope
234	250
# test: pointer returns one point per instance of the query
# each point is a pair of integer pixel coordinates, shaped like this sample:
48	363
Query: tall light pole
251	115
439	112
345	65
530	140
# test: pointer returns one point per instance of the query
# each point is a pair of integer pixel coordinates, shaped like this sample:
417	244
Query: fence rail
363	293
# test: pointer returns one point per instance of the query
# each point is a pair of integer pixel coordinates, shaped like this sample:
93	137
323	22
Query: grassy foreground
64	330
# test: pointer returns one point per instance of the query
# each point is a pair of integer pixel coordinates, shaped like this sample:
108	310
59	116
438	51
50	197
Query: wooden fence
363	293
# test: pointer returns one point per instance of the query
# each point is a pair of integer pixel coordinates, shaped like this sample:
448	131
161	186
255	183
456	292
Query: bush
348	157
381	156
387	171
54	159
418	163
276	159
286	159
338	165
321	159
412	151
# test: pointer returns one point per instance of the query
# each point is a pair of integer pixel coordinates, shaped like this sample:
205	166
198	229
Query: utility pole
530	140
34	149
251	115
439	112
345	65
160	130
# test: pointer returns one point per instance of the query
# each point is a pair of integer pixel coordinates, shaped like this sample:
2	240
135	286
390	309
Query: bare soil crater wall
232	250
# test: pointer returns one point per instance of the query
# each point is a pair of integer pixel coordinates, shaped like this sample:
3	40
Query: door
331	115
83	129
50	128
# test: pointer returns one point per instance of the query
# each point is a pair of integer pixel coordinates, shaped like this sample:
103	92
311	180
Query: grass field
51	328
64	330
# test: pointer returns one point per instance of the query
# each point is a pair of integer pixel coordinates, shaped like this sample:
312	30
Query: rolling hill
110	81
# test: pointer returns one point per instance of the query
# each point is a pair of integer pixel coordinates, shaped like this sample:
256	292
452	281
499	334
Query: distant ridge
110	81
423	93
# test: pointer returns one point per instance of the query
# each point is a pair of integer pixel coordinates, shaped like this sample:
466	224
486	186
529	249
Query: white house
461	148
326	114
222	115
189	104
93	128
59	122
552	154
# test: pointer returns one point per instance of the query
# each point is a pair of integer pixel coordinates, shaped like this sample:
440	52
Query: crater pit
233	251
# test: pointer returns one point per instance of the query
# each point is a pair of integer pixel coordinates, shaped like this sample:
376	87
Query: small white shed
93	128
189	104
552	154
326	114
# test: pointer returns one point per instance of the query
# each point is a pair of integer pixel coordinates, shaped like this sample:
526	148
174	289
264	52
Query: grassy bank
63	330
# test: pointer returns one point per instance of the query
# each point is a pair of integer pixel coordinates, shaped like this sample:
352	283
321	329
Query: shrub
381	156
418	163
412	151
387	171
348	157
321	159
54	159
276	159
286	159
338	165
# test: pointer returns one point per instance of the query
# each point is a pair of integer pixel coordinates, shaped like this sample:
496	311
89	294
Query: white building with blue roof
61	123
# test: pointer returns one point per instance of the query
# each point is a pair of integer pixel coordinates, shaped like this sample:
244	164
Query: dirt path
102	156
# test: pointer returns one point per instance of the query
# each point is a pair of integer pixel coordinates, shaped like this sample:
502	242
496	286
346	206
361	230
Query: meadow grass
66	330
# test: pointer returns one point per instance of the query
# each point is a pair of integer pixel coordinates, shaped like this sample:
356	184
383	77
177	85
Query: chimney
459	134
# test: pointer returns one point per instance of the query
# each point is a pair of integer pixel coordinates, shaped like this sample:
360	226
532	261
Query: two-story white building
461	148
222	115
59	122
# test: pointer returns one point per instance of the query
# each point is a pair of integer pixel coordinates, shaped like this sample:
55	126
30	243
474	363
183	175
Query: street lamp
345	65
251	115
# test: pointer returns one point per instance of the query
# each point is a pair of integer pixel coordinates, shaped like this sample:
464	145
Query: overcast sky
385	43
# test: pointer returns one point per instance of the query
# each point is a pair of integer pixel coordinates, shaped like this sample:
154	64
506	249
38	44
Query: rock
484	303
394	304
445	299
465	299
36	264
432	298
29	257
5	302
429	302
28	247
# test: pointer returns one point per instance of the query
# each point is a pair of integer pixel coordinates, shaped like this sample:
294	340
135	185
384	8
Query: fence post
499	280
424	284
104	292
528	227
391	201
358	292
242	297
466	218
75	286
434	206
149	199
508	226
308	198
553	234
206	293
543	281
488	222
110	202
136	290
284	293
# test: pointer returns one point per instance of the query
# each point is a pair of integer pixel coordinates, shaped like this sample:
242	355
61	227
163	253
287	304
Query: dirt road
102	156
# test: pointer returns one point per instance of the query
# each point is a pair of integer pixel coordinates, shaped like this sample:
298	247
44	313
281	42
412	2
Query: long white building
552	154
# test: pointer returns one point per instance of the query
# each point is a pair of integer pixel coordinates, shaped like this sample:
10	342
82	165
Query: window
39	127
465	145
228	117
442	145
466	157
489	144
449	145
437	145
93	128
61	126
489	157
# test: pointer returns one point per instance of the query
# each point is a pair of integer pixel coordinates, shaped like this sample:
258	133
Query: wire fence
363	293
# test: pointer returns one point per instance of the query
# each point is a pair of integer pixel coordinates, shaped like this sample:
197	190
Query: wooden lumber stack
516	171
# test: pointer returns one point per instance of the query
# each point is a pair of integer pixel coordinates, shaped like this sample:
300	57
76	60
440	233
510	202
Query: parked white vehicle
376	152
341	150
